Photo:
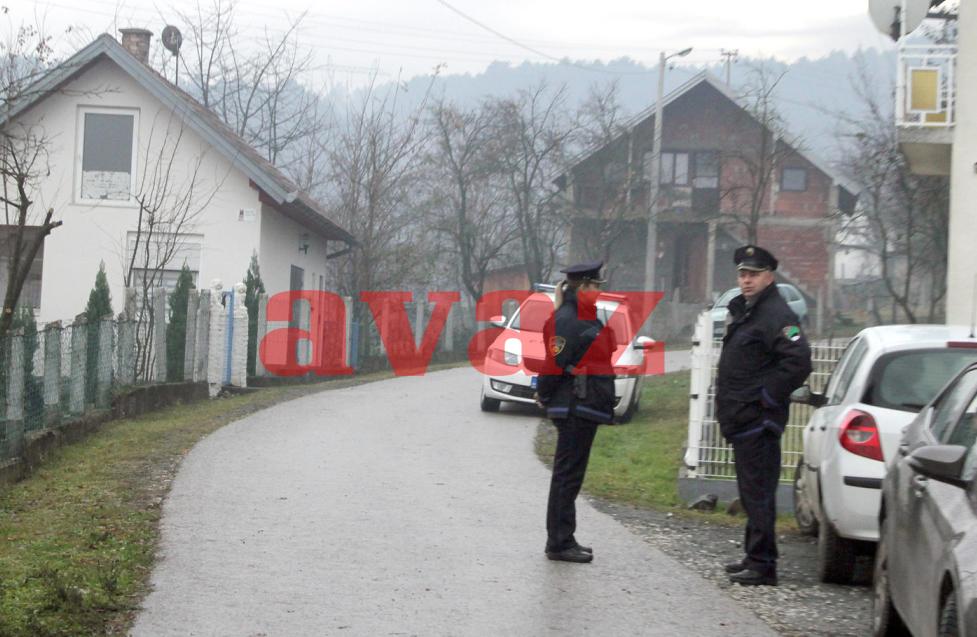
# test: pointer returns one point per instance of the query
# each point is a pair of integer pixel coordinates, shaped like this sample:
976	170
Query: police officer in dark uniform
765	357
576	387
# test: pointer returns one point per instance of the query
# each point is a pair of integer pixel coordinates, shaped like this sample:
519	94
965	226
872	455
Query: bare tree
902	218
466	194
171	194
252	84
24	57
758	155
612	179
530	135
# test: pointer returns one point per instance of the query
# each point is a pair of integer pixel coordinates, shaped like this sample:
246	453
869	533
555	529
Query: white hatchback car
885	376
520	386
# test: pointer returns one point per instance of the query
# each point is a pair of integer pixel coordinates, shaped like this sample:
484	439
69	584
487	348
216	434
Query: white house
118	132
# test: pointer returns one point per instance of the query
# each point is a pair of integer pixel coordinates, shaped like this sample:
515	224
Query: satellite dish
172	39
885	15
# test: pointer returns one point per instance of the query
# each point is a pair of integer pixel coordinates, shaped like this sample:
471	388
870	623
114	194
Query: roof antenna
973	308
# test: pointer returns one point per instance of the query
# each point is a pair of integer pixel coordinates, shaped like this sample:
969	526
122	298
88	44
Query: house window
158	261
793	179
675	169
107	154
706	170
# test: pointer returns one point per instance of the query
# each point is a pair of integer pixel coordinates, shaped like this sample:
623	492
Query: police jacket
577	378
765	357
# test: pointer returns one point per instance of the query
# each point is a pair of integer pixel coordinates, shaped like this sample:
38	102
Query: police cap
755	258
584	271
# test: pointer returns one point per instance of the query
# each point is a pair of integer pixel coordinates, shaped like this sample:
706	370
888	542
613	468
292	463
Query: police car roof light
544	287
963	344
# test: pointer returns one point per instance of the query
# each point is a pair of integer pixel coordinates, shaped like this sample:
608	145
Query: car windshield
533	314
727	296
909	380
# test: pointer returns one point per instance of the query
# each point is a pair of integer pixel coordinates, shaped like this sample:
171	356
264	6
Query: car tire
807	520
886	621
949	622
490	404
836	555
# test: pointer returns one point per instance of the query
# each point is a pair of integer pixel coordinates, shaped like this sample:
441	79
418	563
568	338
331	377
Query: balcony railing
925	85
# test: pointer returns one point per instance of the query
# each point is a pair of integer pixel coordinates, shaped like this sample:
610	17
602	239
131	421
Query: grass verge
78	538
638	463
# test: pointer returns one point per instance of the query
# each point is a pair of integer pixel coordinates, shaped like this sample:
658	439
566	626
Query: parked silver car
927	556
795	300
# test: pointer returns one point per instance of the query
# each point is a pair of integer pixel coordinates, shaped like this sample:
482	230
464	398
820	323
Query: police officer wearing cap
576	387
765	357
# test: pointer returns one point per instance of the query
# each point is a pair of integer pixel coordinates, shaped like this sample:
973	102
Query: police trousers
575	436
757	459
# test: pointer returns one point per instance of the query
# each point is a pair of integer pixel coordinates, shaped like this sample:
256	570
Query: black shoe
585	549
572	554
734	567
749	577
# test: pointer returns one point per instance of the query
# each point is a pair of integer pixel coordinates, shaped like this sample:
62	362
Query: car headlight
511	358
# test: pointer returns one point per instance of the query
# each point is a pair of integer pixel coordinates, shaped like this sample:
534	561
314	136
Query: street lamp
651	245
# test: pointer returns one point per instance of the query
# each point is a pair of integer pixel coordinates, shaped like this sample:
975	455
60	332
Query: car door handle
904	451
920	484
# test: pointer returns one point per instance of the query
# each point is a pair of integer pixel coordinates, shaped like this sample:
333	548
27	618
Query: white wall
279	251
962	266
97	232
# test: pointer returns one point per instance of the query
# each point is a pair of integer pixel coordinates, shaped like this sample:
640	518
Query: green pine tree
176	330
33	386
255	287
99	306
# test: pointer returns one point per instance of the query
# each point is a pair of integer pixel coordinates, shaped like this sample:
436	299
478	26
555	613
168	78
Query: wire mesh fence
711	455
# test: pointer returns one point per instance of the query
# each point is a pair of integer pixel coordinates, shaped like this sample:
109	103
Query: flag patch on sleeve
792	333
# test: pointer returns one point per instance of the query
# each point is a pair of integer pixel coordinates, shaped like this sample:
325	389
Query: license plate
534	381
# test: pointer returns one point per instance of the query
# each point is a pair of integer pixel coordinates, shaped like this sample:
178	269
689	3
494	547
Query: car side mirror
497	321
804	396
643	342
943	463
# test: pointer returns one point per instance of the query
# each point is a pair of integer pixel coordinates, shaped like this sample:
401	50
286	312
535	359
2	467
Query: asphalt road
398	508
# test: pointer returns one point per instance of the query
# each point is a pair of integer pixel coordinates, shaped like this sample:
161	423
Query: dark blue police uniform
765	357
577	390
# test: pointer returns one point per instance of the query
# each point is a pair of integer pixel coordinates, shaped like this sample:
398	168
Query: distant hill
809	93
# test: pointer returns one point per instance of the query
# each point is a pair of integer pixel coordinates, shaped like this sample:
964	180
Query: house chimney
136	42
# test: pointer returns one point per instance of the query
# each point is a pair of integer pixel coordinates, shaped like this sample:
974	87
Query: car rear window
909	380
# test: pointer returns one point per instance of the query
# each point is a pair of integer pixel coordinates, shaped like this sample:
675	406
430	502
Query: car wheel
886	621
949	622
807	521
836	556
490	404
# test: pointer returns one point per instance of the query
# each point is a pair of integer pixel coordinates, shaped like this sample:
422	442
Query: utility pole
731	57
651	243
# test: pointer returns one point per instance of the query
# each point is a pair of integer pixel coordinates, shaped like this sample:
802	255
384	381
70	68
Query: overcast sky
412	36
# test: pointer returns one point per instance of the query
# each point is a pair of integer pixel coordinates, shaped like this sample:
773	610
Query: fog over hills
809	95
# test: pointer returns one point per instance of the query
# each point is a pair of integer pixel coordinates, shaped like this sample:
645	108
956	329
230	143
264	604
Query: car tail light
860	435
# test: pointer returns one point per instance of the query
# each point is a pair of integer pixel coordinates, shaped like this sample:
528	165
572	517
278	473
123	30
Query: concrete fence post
15	392
449	330
262	329
79	360
201	349
239	344
215	345
52	373
103	378
190	339
418	321
126	349
159	335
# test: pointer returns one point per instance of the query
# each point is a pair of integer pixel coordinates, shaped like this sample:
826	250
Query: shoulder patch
557	343
792	333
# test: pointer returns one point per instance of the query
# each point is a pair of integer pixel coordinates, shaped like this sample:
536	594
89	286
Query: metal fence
707	453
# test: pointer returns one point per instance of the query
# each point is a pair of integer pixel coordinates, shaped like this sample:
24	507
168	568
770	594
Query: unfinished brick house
706	192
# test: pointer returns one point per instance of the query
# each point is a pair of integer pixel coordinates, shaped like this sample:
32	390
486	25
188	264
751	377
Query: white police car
520	386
